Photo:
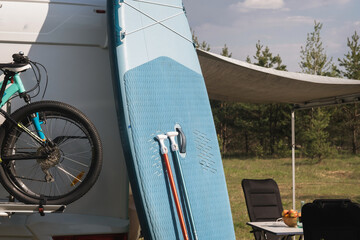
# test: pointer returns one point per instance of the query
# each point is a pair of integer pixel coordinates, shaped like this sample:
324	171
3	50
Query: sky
282	25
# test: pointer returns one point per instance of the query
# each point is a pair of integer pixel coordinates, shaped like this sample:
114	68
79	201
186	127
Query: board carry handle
182	140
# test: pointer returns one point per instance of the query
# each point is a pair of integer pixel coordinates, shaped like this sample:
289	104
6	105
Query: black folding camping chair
263	202
331	219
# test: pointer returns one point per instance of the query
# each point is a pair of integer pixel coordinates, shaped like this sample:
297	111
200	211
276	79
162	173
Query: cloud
251	5
261	4
310	4
300	19
248	5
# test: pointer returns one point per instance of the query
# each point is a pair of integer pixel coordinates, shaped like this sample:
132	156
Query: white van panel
53	22
68	37
81	76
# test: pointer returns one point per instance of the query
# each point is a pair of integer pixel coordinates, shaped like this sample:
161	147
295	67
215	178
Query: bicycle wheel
72	162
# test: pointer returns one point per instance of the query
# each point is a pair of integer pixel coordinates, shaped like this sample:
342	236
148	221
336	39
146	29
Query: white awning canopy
233	80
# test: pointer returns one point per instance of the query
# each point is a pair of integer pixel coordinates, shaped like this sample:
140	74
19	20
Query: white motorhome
69	37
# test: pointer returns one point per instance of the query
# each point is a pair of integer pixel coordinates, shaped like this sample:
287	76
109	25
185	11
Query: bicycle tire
75	161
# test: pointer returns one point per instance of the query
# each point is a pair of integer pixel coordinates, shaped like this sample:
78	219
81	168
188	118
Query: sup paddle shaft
164	152
175	149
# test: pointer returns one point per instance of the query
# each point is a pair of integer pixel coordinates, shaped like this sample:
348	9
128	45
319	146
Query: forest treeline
264	130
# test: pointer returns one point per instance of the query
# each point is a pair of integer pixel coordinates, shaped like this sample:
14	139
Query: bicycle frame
16	86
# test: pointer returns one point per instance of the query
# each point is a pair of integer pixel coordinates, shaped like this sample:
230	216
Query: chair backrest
331	219
263	199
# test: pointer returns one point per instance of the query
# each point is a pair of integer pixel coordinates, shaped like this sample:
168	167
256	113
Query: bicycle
50	151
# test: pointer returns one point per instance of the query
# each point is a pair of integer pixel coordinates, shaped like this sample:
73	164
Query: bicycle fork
41	141
36	121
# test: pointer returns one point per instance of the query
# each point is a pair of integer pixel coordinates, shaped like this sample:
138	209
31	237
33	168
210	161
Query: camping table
276	228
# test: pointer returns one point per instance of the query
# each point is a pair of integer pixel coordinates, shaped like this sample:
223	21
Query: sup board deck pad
156	94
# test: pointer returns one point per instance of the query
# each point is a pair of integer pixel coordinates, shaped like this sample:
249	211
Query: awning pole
293	153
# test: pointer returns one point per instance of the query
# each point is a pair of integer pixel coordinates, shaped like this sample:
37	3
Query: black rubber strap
41	205
182	140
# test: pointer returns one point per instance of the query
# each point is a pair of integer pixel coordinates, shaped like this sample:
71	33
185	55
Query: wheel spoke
54	172
72	160
69	174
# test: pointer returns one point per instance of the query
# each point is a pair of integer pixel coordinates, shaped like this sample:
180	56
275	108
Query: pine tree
266	59
224	115
273	119
225	52
313	56
350	114
203	45
351	62
316	145
313	136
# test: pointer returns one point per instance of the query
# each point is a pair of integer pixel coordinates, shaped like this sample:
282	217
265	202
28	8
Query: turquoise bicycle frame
16	86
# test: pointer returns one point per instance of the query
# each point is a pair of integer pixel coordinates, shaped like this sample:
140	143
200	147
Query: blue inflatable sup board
159	88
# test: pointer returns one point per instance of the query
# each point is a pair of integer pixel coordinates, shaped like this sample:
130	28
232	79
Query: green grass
332	178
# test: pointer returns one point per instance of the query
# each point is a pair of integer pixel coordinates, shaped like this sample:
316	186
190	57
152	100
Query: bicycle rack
9	208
